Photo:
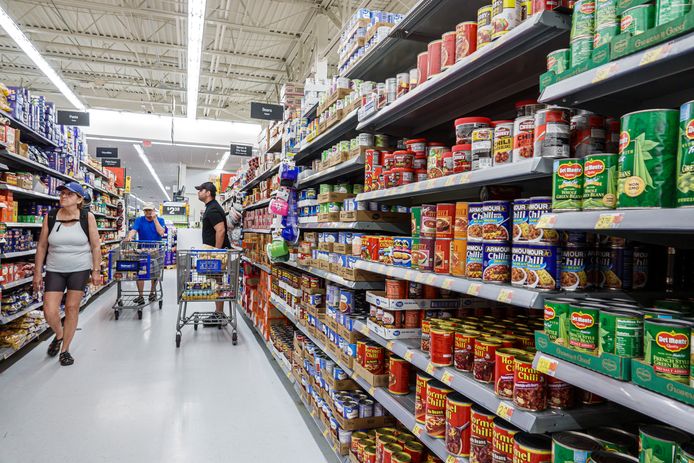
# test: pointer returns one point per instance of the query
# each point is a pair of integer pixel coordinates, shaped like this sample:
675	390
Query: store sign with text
267	111
241	150
110	162
174	210
76	118
105	152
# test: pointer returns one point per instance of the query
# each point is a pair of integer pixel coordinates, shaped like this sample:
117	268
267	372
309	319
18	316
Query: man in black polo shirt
214	232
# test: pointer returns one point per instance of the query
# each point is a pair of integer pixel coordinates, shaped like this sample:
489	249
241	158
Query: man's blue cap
74	187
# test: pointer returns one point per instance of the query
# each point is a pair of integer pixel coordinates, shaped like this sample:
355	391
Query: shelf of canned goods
336	278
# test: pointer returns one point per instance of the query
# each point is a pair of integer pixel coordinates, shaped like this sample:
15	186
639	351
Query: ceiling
131	54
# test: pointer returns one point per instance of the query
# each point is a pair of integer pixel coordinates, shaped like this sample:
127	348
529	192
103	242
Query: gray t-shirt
68	249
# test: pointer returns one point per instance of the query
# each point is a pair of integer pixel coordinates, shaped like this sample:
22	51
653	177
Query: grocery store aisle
133	397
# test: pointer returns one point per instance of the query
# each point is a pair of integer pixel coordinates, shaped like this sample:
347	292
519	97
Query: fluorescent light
145	159
166	143
136	197
223	161
196	26
18	36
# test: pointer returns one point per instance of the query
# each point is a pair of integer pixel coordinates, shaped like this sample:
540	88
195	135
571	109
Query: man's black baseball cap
209	186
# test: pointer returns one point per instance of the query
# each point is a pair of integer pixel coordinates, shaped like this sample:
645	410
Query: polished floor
133	397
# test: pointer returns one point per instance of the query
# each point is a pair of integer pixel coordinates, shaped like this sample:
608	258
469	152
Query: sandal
139	300
66	359
152	297
54	347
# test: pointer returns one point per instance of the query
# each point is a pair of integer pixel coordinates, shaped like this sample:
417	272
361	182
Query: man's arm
219	233
160	229
131	234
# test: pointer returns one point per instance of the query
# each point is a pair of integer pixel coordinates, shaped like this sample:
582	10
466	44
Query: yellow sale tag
605	72
447	283
417	186
389	345
363	329
655	53
547	221
464	178
505	410
547	365
325	433
505	295
430	368
408	355
372	391
607	221
417	430
451	459
474	289
430	279
450	181
313	413
447	378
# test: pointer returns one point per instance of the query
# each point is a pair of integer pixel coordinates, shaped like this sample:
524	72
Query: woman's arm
95	243
41	250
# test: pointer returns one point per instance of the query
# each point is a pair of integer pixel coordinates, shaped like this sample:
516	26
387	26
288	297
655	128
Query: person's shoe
213	320
139	300
152	297
66	359
54	347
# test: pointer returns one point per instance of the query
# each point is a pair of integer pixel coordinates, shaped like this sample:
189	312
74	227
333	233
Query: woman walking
70	247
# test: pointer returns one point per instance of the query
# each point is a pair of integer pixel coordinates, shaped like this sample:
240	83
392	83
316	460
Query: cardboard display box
379	299
333	197
374	380
643	375
394	333
374	216
329	217
353	274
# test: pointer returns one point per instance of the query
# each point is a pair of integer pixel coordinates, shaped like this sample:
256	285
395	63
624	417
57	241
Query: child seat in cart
136	261
207	275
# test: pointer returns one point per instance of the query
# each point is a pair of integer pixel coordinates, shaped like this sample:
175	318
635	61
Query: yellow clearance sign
127	183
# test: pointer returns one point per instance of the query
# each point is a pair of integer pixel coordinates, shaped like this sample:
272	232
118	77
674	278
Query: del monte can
685	157
600	181
567	185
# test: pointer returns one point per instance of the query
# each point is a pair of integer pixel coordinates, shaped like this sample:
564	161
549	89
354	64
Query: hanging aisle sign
267	111
77	118
106	152
110	162
241	150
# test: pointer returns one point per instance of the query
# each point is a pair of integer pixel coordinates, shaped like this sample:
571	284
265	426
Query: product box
394	333
340	384
608	364
329	217
374	380
332	323
598	57
626	44
343	249
333	197
326	246
374	216
361	423
642	374
350	336
379	299
353	274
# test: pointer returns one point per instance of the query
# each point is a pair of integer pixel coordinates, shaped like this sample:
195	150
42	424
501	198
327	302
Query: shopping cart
136	261
207	275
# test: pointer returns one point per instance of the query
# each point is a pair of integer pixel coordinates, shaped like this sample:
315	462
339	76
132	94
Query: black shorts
72	281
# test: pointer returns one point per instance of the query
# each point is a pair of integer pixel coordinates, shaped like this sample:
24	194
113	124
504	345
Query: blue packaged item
346	301
542	265
496	221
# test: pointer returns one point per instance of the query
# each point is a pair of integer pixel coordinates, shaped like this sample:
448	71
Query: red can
427	228
415	450
441	347
420	397
361	349
464	349
538	6
425	254
398	376
560	395
481	435
417	146
434	55
445	220
485	356
458	410
503	372
421	175
372	158
413	319
532	448
396	289
435	418
430	292
402	176
529	385
447	167
502	441
462	158
375	359
404	159
465	39
388	160
388	451
377	182
448	50
420	161
423	67
442	255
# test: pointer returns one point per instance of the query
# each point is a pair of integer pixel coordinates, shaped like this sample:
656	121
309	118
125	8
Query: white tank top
68	249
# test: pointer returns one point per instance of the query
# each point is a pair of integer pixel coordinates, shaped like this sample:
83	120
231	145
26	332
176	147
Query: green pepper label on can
685	157
647	159
621	333
558	60
583	328
600	181
581	48
637	20
667	348
669	10
567	185
582	22
557	320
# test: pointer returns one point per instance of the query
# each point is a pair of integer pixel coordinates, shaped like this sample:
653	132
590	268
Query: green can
416	217
669	10
621	332
605	34
557	319
583	19
685	157
583	328
415	252
659	443
616	440
686	454
600	181
657	312
608	456
581	49
666	347
637	20
343	188
647	147
573	447
567	185
605	13
358	188
558	60
326	188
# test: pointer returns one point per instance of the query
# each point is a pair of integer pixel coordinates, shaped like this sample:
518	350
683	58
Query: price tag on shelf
450	181
447	283
609	221
656	53
363	329
372	391
605	72
313	413
474	289
505	295
325	433
417	186
417	430
464	178
505	410
547	221
430	368
409	274
408	355
420	278
447	378
430	279
389	345
451	459
389	272
547	365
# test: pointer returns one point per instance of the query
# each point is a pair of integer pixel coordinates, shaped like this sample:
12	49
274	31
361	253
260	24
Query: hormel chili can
502	442
434	55
529	385
442	256
426	335
485	356
481	434
560	395
441	347
388	451
420	397
458	410
398	376
532	448
375	359
503	372
435	416
464	349
428	226
361	349
415	450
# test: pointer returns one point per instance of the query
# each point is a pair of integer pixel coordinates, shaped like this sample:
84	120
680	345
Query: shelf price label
389	345
451	459
547	221
363	329
325	433
505	295
605	72
474	289
547	365
408	355
656	53
609	221
505	410
447	283
409	274
417	430
430	368
429	279
447	378
372	391
450	181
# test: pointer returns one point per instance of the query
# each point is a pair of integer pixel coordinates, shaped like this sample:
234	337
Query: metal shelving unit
365	226
104	191
259	204
93	169
352	166
28	134
15	283
340	131
106	243
463	185
336	278
657	77
10	255
260	177
265	268
258	230
8	318
628	394
22	162
23	225
23	193
497	75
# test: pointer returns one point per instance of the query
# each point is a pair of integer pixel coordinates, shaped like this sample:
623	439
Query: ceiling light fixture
136	197
145	159
18	36
196	26
223	161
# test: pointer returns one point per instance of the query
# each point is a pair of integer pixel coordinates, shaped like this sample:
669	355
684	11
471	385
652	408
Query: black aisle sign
241	150
73	118
174	210
267	111
104	152
110	162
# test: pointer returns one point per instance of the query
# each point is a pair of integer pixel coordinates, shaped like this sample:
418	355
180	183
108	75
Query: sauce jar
403	159
448	166
462	158
465	125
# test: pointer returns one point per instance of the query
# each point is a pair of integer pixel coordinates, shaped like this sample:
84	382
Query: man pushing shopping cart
149	228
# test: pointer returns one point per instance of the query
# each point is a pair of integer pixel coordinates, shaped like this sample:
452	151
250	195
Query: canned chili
529	390
496	262
560	395
435	416
475	222
428	226
374	359
532	448
502	441
445	219
460	224
441	347
458	410
481	435
485	350
420	397
458	257
442	255
496	221
503	372
474	261
464	349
